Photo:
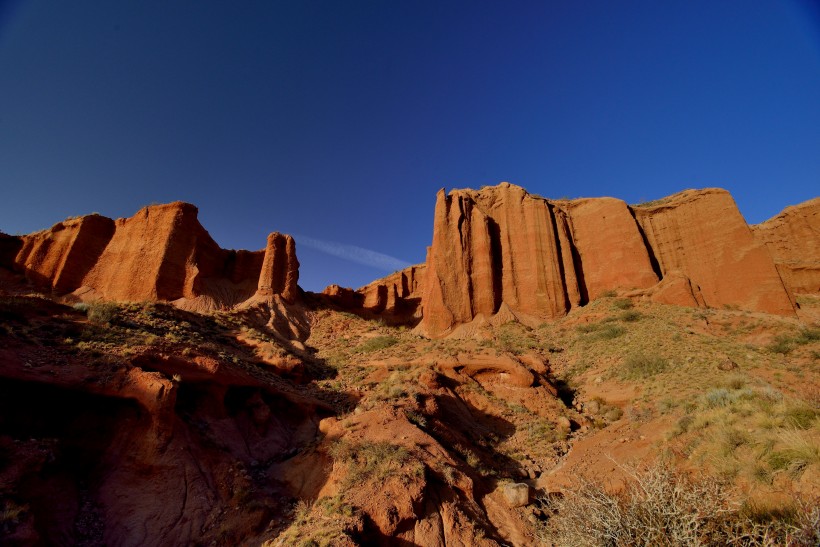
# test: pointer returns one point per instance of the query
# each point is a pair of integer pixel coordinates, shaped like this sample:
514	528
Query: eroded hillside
127	423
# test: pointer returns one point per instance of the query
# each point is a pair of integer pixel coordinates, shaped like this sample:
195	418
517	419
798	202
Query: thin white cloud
353	253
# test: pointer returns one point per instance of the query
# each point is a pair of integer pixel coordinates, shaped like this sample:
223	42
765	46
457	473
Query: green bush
102	312
623	304
376	344
630	316
639	366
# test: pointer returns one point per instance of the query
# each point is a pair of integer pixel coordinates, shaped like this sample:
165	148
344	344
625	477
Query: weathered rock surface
280	269
793	239
502	248
161	253
395	298
60	258
702	235
149	449
399	293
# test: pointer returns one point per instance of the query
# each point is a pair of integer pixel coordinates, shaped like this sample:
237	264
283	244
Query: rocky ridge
162	253
503	249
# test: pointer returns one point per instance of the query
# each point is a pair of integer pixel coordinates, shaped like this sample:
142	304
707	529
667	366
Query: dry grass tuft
660	506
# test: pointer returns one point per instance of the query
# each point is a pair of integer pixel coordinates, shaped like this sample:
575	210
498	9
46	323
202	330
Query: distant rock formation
161	253
395	298
497	253
793	239
502	248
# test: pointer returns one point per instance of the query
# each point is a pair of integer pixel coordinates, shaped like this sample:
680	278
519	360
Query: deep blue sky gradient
339	121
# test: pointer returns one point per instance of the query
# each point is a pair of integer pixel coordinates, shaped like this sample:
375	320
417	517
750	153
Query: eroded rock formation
395	298
500	247
702	235
793	239
161	253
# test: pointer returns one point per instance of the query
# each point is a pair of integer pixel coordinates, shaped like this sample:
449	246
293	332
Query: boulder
516	494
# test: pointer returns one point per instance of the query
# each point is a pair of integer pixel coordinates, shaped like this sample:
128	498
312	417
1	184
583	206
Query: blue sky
339	121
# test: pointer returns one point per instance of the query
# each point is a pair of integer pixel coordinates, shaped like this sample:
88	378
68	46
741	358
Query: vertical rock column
280	268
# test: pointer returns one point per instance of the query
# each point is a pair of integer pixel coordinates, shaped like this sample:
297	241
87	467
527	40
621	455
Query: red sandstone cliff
500	247
161	253
793	239
702	235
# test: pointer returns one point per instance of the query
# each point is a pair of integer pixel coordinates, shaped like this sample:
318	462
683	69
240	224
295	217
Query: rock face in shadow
793	239
161	253
540	258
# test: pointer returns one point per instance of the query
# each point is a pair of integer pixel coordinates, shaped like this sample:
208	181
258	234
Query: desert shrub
662	507
781	344
613	414
372	461
101	312
605	330
800	416
515	338
377	343
785	343
416	418
797	452
328	522
639	366
623	304
683	425
630	316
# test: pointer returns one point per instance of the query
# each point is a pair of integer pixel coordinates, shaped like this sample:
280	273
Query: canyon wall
541	258
793	239
161	253
494	249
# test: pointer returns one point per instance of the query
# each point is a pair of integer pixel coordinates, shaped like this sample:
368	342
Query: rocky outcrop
502	248
793	239
161	253
280	269
702	235
60	258
398	293
395	298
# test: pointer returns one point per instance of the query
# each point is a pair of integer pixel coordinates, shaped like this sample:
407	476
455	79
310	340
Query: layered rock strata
161	253
793	239
502	248
396	297
702	235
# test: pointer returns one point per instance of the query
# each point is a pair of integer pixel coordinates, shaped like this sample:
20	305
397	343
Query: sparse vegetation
374	461
376	344
102	313
640	366
601	331
661	506
785	343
